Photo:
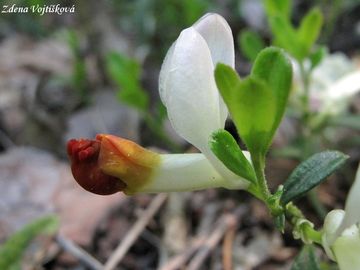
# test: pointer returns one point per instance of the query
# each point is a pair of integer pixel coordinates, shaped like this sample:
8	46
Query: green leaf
309	29
228	152
12	250
251	44
278	7
317	56
306	259
258	102
227	81
273	67
311	173
254	114
125	72
285	36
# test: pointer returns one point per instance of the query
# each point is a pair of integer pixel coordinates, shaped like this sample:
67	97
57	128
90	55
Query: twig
210	244
176	230
208	218
228	246
204	228
181	259
203	244
78	253
224	222
134	233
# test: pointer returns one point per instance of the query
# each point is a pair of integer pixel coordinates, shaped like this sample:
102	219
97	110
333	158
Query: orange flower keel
130	162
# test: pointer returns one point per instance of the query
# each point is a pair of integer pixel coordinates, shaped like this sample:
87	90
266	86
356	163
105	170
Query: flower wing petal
164	74
332	223
191	97
347	249
218	36
352	213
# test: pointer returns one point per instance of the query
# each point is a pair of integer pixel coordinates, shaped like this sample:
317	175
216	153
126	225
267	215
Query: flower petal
192	99
164	74
345	87
347	249
331	224
352	213
218	36
127	161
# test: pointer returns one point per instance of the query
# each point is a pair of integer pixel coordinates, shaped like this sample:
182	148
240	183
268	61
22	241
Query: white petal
352	213
192	99
164	73
347	249
188	89
218	36
346	87
185	172
331	225
338	95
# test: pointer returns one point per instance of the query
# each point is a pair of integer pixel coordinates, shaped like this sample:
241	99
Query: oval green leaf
306	259
274	68
229	153
311	173
250	44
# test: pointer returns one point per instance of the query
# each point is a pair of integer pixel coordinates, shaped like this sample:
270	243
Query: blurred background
96	71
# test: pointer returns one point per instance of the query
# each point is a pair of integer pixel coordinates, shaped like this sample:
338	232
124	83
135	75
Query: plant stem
305	98
258	161
294	215
313	234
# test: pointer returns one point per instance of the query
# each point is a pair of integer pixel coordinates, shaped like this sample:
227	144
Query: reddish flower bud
84	154
110	164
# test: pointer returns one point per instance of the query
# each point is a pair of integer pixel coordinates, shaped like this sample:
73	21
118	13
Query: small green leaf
258	102
311	173
317	56
125	72
309	29
306	259
228	152
278	7
227	81
285	36
273	66
12	250
251	44
252	108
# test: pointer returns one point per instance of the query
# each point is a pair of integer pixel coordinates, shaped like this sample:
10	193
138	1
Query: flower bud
84	154
110	164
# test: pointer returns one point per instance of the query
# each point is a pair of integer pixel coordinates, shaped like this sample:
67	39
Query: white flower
332	83
341	235
187	88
